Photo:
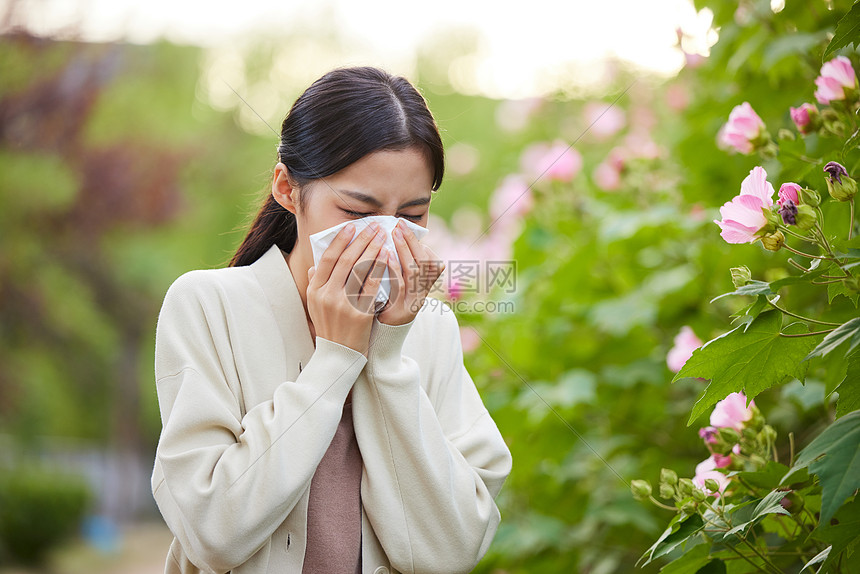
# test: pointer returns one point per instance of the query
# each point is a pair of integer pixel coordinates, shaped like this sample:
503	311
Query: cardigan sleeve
432	467
224	482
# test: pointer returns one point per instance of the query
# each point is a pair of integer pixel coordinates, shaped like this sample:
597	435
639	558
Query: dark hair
344	115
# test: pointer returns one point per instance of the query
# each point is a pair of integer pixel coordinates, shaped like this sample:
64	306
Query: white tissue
322	239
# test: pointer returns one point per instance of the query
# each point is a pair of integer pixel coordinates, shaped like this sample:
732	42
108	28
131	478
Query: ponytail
274	225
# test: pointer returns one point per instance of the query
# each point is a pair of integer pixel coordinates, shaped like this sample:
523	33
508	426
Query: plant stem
809	255
813	334
791	449
745	557
760	555
851	221
827	282
660	504
798	265
778	308
798	235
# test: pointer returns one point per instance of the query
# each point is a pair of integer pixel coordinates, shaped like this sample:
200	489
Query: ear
284	192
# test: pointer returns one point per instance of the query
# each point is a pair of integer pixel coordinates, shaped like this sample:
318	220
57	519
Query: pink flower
708	469
693	60
801	117
836	75
732	412
605	120
557	161
469	338
789	191
742	216
742	130
606	176
513	198
709	434
686	342
722	461
677	98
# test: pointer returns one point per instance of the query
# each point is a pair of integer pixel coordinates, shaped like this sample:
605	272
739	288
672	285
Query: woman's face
386	182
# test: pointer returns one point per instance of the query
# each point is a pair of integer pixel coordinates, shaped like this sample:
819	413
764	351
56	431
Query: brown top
334	506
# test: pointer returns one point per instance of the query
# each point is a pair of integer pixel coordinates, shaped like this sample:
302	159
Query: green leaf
770	504
689	562
818	559
715	566
847	332
675	535
750	361
839	288
841	536
851	142
849	388
847	32
834	456
753	287
767	478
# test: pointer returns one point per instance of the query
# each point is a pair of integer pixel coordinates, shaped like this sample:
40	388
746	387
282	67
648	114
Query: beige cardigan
244	428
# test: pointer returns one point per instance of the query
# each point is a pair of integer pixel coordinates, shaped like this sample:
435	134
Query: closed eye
359	214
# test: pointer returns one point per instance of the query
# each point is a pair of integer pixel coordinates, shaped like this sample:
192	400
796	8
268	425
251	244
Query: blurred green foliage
39	509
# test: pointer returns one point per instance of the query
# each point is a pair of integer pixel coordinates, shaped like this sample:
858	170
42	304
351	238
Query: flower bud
810	197
712	485
729	435
666	491
773	219
829	115
805	217
689	507
767	435
757	460
685	486
699	495
785	134
773	241
806	118
840	186
740	276
769	149
668	476
641	489
788	211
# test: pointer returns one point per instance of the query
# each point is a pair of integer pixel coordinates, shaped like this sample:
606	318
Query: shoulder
206	292
203	284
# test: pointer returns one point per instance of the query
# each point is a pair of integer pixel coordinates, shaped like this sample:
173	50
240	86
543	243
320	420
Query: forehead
389	176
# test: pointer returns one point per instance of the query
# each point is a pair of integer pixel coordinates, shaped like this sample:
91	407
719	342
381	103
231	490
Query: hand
412	279
343	285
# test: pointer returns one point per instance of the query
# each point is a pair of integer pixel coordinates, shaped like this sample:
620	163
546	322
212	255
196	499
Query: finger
366	259
331	254
365	300
407	268
432	266
349	257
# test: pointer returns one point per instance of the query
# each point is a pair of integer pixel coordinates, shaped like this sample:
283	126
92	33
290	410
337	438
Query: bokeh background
137	139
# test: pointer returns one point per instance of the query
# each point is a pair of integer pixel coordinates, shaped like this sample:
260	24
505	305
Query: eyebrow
363	197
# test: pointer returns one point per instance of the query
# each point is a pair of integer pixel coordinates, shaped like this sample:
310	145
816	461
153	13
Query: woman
302	432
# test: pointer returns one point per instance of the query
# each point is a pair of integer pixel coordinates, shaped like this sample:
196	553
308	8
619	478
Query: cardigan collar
280	288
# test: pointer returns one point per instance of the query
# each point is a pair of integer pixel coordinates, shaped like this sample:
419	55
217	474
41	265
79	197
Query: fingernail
348	228
397	233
